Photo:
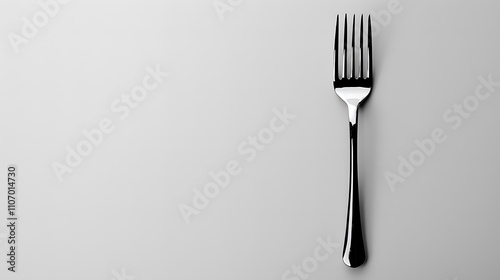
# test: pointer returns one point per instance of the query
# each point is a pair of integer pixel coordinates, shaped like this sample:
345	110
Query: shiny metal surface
353	83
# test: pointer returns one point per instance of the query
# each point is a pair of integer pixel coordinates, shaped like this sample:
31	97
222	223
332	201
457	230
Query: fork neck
353	113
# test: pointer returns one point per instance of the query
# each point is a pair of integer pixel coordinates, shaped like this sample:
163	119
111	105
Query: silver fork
353	88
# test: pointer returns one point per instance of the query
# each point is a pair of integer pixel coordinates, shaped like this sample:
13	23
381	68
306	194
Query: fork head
353	80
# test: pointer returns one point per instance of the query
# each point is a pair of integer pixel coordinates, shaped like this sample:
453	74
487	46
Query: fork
353	87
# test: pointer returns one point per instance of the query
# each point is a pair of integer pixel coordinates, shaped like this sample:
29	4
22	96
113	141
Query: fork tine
336	51
361	48
353	62
344	54
370	69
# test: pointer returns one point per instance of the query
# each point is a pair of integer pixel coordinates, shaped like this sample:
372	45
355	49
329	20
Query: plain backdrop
116	215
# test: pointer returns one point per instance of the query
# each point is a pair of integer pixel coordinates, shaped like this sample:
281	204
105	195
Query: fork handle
353	253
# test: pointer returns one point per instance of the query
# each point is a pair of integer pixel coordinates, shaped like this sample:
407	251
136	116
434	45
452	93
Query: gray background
117	214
